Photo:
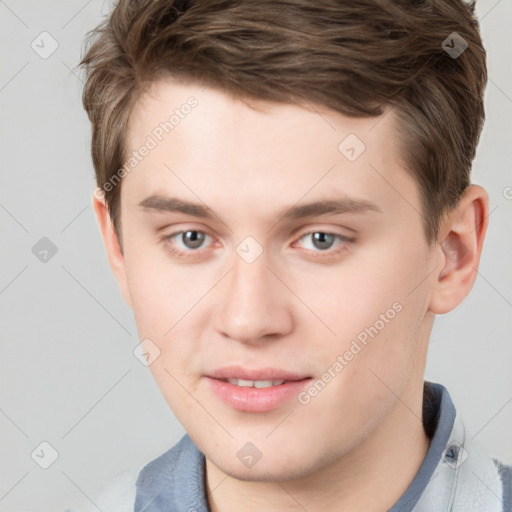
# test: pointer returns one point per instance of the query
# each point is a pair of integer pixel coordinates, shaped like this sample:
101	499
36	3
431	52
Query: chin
271	469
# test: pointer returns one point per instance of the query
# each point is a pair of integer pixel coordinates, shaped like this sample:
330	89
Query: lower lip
249	399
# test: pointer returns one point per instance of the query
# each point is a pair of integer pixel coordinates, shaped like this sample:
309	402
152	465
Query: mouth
251	390
260	384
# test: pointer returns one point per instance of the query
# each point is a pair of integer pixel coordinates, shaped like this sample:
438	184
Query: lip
239	372
250	399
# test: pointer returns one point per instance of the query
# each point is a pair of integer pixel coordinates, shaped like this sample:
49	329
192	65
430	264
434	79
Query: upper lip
239	372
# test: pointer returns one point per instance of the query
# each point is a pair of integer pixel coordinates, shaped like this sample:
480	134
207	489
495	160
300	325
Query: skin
358	444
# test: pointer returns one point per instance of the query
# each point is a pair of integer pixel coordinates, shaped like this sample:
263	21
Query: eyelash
192	254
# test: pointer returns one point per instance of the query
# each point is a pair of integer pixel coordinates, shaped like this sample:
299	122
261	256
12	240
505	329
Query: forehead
207	143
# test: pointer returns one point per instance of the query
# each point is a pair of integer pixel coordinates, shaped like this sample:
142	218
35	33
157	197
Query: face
270	243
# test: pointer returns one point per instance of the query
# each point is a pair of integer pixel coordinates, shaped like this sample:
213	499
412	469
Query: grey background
68	373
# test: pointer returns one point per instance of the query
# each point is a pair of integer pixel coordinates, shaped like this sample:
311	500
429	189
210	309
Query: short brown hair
355	57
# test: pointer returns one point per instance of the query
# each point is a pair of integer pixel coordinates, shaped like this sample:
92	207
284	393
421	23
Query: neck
371	478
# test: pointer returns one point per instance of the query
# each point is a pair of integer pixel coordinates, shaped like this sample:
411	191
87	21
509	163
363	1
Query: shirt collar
444	417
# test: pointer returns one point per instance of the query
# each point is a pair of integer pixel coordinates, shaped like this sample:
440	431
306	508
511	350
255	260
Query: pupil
192	239
322	240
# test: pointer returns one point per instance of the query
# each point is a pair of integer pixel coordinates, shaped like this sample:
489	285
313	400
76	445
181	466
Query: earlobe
112	246
460	245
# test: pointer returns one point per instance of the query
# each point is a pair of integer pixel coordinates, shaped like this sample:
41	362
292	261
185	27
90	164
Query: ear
112	246
460	243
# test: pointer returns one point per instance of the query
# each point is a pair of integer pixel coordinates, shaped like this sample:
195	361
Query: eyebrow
328	206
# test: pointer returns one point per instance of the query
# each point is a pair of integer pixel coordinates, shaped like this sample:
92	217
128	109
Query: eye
322	241
185	243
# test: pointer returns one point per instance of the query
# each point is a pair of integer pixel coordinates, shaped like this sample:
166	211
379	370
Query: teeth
255	383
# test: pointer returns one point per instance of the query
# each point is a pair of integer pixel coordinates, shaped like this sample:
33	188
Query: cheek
167	305
372	290
377	311
161	291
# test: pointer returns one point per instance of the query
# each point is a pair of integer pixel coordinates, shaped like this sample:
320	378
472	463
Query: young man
284	195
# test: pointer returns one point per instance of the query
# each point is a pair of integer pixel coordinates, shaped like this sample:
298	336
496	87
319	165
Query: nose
253	303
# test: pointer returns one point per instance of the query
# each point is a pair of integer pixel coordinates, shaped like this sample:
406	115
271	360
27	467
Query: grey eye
322	240
193	239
